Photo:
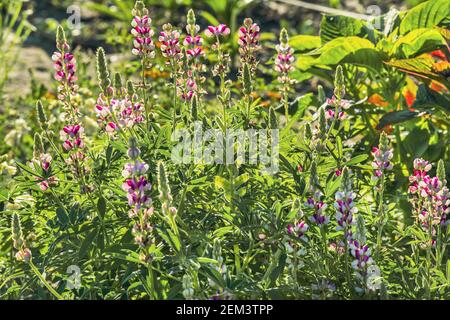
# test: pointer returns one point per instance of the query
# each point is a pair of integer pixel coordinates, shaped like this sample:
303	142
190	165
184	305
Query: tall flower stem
381	218
44	282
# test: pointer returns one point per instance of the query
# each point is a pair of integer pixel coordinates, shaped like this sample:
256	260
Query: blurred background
28	28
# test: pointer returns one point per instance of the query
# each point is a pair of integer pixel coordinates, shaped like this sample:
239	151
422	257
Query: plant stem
44	282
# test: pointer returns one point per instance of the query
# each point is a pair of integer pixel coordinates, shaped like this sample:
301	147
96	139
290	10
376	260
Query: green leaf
427	98
416	142
396	117
62	216
426	15
354	50
417	42
358	159
214	275
101	206
332	27
86	244
302	42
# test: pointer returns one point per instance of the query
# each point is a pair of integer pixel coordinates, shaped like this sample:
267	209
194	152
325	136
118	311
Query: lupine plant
204	184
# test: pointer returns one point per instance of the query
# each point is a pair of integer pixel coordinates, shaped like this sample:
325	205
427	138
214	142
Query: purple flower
220	30
142	44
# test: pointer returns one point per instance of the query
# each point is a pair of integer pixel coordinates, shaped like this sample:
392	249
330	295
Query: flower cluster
345	205
216	31
72	137
137	187
223	59
193	42
248	42
65	68
319	207
170	44
382	157
119	114
337	103
430	196
143	45
285	59
298	229
361	253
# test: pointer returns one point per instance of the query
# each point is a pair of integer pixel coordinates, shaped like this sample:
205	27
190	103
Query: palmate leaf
427	15
417	42
354	50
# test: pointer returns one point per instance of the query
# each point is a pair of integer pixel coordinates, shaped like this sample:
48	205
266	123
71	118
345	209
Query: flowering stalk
169	212
361	253
65	68
72	133
170	49
222	67
337	103
248	42
283	65
141	209
345	210
143	45
381	165
430	198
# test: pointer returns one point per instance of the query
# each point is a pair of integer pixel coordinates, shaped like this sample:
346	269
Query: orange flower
378	100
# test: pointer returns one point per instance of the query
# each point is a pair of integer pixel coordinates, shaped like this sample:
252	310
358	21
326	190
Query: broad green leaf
354	50
426	15
302	43
417	42
332	27
417	142
396	117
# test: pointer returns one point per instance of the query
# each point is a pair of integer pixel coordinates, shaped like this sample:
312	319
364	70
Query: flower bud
133	151
41	115
284	37
61	42
322	121
38	147
440	172
194	108
163	184
321	96
191	17
307	131
339	86
117	82
247	80
16	231
273	122
102	70
130	88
